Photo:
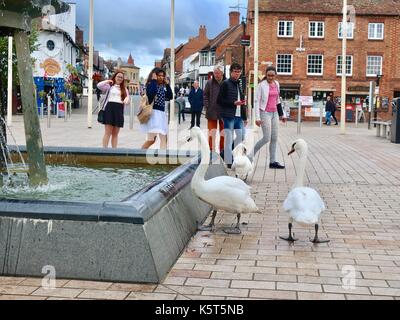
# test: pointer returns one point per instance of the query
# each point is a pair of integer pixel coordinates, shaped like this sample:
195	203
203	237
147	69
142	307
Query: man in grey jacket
213	109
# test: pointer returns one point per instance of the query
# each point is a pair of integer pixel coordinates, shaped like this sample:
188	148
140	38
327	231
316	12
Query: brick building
303	40
224	49
183	51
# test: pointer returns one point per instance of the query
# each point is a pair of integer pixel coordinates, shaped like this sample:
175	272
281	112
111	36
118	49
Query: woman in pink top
268	113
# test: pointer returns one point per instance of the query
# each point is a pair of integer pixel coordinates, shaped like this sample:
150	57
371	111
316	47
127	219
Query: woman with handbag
158	92
268	111
117	96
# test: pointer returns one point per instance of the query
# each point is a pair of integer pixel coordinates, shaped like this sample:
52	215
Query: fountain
134	239
16	18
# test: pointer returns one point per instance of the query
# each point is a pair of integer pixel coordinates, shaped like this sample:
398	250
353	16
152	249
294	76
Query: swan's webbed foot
290	238
316	239
235	230
211	226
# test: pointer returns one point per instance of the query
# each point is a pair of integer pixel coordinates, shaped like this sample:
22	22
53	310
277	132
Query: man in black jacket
330	109
233	111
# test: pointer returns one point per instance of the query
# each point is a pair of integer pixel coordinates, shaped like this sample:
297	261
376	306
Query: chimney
203	32
234	18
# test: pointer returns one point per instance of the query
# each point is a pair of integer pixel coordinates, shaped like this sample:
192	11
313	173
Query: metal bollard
299	119
65	110
356	116
131	114
321	114
41	110
48	111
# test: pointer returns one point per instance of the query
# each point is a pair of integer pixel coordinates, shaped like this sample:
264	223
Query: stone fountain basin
136	240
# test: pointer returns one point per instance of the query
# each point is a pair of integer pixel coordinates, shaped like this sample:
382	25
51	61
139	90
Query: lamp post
90	71
344	47
172	75
256	11
9	84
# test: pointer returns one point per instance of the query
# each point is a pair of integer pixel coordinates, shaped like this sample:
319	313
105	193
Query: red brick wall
191	47
330	46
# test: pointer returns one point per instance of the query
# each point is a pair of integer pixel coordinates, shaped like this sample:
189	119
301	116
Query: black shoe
229	166
276	165
336	124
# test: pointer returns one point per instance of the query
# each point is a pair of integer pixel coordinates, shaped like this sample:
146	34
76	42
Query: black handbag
100	116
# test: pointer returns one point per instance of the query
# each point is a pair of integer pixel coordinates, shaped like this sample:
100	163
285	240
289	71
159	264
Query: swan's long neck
301	168
205	159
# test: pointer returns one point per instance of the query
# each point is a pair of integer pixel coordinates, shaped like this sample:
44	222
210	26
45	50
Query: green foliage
33	44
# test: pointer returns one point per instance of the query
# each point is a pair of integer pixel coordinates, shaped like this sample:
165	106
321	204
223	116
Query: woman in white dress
159	91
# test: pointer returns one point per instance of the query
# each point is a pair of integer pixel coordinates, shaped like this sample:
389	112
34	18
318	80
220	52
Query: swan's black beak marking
189	139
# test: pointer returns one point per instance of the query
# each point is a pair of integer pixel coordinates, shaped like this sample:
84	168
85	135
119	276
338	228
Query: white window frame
212	58
291	64
202	81
204	57
380	69
322	65
374	35
350	27
316	29
286	23
340	65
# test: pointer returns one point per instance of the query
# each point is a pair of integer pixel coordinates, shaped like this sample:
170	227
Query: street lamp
256	19
344	47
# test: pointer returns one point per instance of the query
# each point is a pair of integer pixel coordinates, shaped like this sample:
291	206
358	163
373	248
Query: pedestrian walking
196	104
330	109
233	111
268	113
334	111
213	109
159	91
117	97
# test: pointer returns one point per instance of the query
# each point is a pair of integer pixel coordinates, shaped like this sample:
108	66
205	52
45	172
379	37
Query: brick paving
356	175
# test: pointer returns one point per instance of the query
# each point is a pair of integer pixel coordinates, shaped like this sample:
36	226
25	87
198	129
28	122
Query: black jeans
195	116
334	117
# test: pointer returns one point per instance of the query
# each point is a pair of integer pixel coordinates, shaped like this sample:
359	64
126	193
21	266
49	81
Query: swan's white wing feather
227	197
304	205
231	182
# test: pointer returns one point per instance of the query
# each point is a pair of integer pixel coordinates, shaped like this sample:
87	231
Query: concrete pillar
34	143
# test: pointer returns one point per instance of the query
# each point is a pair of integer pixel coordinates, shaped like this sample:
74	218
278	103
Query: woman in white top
117	96
268	113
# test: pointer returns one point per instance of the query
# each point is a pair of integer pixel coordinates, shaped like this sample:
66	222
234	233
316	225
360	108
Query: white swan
303	204
241	163
222	193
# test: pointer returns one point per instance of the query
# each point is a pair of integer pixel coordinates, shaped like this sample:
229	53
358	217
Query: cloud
142	27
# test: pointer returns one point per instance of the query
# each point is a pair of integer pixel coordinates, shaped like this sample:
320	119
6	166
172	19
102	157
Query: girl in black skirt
117	96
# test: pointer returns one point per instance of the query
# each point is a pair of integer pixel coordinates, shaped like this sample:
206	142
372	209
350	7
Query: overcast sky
142	27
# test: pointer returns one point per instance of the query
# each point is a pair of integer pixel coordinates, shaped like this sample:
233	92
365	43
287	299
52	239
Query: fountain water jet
16	18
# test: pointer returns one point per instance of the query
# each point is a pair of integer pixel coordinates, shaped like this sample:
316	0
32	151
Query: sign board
312	112
306	100
245	41
377	90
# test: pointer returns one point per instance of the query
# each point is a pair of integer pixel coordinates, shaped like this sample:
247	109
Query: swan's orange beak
291	151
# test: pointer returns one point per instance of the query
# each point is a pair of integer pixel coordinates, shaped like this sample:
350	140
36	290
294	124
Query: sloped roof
362	7
214	43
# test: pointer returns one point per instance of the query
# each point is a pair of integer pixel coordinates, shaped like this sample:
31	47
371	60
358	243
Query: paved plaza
356	174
